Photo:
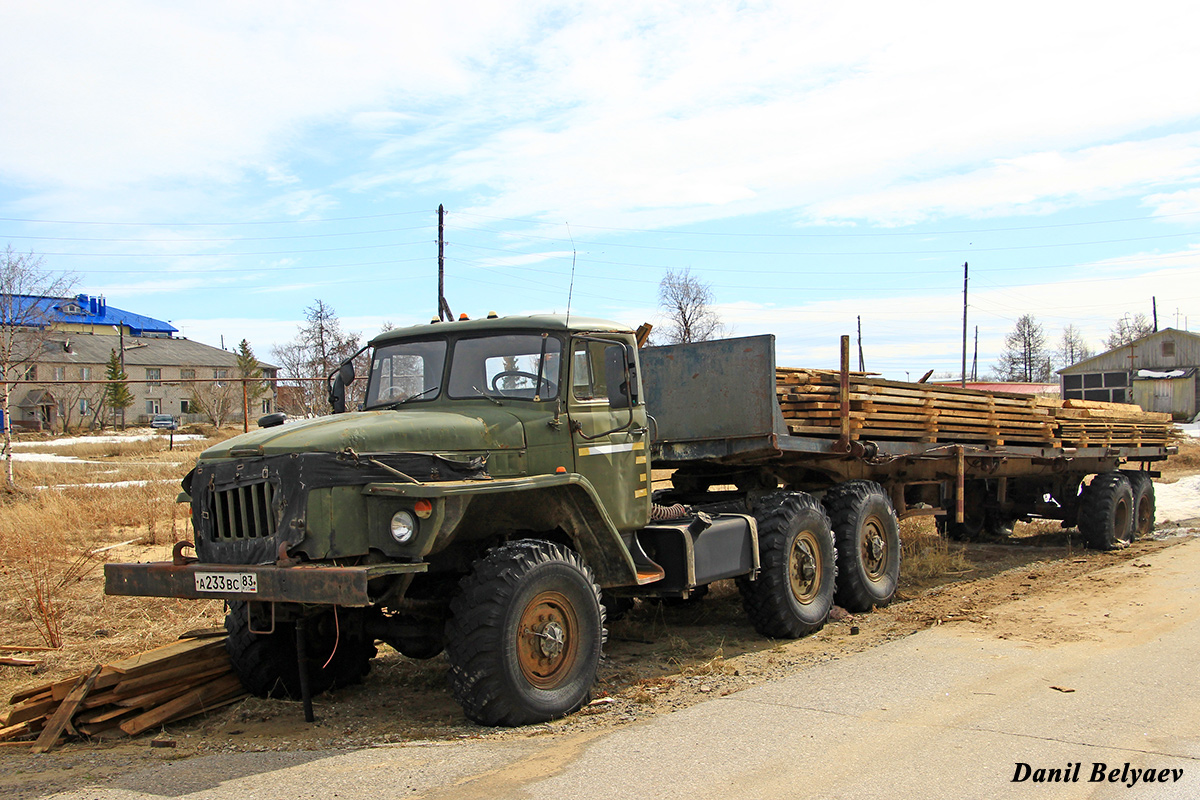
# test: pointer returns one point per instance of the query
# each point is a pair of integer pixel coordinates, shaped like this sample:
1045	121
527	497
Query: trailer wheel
1106	512
793	594
867	535
525	635
1143	503
268	666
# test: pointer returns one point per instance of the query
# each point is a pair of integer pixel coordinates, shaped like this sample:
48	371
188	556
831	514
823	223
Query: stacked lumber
167	684
920	412
1091	423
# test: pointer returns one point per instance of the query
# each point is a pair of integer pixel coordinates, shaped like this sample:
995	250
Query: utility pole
443	308
975	358
1154	307
862	367
963	381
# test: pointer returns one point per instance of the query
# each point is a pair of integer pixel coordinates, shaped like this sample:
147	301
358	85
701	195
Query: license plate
227	582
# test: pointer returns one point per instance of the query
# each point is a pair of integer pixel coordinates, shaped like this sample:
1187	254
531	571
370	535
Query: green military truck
492	498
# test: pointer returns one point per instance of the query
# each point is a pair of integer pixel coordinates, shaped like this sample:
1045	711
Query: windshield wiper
399	403
482	393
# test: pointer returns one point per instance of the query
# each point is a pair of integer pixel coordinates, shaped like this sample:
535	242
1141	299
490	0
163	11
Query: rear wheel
1143	503
525	635
1106	512
339	654
867	535
793	594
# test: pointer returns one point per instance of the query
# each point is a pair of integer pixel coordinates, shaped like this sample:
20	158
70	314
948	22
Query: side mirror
631	369
337	387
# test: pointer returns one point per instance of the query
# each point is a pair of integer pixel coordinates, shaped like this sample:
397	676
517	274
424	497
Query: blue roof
85	310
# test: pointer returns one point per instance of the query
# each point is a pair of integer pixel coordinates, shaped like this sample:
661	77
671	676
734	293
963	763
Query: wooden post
959	482
844	397
245	407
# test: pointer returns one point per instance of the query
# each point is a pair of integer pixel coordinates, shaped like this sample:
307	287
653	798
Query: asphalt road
1106	673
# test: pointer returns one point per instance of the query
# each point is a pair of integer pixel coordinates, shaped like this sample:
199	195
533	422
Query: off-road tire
793	594
867	535
1106	512
268	666
504	669
1143	504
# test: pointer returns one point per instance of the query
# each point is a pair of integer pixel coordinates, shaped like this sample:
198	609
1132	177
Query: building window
154	406
1168	349
187	374
60	373
266	407
85	373
220	374
153	376
184	407
31	372
83	405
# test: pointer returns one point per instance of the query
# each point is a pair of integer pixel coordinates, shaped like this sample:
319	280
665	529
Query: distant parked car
163	421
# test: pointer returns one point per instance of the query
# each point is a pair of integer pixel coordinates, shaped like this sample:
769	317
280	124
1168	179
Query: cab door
608	426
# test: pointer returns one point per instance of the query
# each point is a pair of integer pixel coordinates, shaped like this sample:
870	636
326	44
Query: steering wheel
516	373
390	392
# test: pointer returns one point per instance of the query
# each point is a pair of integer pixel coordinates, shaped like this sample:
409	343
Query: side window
599	373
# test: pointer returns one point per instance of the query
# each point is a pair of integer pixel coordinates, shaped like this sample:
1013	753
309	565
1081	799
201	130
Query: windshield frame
429	382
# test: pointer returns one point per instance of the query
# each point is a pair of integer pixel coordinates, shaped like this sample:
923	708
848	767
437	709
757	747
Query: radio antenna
571	289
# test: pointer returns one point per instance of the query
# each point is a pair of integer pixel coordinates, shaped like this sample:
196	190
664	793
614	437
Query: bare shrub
927	554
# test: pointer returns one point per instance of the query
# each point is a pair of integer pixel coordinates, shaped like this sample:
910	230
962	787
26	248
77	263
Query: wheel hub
547	640
874	548
552	639
803	572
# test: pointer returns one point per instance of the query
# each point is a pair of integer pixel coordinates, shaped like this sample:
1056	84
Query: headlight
404	527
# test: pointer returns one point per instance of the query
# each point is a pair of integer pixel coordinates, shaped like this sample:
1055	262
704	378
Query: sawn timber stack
136	694
897	411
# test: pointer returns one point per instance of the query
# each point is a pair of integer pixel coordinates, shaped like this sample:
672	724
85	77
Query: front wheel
525	635
793	594
339	652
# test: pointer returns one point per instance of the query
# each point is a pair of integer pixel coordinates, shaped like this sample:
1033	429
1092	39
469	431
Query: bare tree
1072	347
1128	329
685	302
27	312
1024	357
213	399
319	347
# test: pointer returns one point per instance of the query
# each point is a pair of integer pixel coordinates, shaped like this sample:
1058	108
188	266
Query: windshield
521	365
406	371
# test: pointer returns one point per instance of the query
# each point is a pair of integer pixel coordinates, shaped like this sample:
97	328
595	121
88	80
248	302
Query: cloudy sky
223	165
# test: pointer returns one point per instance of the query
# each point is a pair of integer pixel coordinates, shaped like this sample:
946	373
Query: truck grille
244	512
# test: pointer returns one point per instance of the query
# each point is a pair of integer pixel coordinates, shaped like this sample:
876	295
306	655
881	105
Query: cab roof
536	322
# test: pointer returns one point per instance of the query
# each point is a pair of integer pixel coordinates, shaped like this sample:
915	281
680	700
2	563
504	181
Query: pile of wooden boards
170	683
921	412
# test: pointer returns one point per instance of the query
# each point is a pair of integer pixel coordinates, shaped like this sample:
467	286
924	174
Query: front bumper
308	583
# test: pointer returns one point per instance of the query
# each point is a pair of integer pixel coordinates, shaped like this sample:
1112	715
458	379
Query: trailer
493	498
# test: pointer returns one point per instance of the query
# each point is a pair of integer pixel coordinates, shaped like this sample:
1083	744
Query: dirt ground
659	657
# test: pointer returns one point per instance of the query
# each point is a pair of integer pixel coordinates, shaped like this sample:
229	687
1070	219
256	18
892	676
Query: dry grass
53	543
928	556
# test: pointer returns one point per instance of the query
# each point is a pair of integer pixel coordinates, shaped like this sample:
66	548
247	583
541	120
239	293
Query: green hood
381	432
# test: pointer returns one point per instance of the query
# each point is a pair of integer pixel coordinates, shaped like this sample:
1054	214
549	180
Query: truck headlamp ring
404	527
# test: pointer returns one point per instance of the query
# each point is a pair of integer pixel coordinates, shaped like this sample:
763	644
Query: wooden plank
13	731
108	677
62	715
31	692
159	655
20	648
9	661
31	710
192	701
138	684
